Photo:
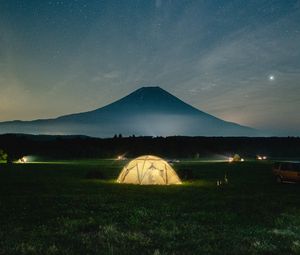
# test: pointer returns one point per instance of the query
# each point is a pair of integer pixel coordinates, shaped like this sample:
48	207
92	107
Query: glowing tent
147	170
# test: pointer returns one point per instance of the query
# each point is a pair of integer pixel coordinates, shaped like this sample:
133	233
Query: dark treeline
68	147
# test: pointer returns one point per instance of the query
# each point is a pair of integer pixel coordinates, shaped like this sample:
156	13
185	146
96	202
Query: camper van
287	171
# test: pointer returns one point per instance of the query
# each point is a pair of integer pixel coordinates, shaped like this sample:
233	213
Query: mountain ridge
146	111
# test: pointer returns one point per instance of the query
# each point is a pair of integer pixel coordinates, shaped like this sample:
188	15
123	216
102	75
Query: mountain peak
151	98
151	93
148	110
150	89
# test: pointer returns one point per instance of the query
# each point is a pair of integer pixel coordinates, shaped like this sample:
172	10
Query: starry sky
238	60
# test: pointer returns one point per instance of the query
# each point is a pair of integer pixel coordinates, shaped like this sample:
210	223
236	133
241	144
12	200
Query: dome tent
147	170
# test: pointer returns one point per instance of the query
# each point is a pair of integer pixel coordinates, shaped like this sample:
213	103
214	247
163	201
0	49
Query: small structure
236	158
22	160
148	170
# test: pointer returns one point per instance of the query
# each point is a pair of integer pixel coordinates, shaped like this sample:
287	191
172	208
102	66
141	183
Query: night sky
237	60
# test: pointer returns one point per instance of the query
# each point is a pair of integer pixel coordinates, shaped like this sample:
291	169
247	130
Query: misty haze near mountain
148	111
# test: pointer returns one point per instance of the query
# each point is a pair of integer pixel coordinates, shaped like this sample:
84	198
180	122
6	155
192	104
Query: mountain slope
147	111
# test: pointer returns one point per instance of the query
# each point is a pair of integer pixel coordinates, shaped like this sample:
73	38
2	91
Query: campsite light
121	157
23	160
148	170
261	157
235	158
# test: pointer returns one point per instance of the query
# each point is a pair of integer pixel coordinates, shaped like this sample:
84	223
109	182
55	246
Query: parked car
287	171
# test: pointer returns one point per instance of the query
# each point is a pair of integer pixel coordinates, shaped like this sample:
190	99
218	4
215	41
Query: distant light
235	158
261	157
271	78
23	160
121	157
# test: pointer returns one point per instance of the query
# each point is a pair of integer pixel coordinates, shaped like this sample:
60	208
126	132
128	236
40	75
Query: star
271	77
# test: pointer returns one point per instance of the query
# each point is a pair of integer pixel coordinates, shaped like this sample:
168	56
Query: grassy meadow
52	208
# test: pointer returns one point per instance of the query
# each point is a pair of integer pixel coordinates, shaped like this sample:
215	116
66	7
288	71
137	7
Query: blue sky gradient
60	57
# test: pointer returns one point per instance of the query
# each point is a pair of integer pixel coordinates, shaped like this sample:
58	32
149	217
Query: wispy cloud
216	55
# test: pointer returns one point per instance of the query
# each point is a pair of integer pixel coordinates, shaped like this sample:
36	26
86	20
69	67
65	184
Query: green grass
51	208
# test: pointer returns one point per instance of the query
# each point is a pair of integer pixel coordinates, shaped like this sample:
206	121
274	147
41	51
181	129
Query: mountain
148	111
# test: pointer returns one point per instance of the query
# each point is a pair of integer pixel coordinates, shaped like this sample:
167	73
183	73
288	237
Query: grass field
51	208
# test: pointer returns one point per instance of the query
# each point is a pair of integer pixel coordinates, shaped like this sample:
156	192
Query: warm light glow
148	170
23	160
121	157
235	158
261	157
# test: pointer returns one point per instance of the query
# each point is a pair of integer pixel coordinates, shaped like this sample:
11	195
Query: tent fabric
147	170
